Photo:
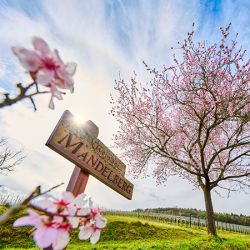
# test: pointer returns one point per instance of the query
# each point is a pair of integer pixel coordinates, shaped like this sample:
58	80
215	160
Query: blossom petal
59	83
33	219
24	221
83	211
70	68
33	213
90	203
47	204
28	58
51	103
68	196
56	93
55	55
71	89
62	240
40	45
95	236
81	200
100	221
44	203
44	236
44	76
57	219
74	221
85	233
72	209
67	81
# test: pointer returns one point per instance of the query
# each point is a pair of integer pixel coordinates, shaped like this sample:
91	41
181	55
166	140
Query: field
133	233
183	220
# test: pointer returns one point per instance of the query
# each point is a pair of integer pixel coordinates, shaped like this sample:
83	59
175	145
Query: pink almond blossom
91	229
49	231
60	216
46	67
67	205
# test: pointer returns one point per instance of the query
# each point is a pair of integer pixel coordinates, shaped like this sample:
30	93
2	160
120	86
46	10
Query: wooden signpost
79	144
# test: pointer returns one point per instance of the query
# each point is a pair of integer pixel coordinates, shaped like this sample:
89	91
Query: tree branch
23	94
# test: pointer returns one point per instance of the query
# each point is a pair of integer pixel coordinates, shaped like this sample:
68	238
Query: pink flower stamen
62	203
50	64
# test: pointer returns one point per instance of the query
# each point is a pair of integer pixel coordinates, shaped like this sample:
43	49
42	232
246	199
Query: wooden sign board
90	154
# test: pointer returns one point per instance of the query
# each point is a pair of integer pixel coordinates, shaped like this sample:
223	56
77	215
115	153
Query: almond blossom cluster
46	68
53	220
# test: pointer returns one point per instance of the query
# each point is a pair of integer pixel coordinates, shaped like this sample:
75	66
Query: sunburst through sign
78	144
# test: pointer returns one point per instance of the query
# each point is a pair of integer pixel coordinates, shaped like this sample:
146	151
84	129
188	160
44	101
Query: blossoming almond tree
47	69
192	120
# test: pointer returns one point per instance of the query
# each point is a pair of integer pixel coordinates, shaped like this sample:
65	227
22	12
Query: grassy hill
131	233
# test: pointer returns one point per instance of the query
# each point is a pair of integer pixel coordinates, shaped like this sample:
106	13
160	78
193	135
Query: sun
79	119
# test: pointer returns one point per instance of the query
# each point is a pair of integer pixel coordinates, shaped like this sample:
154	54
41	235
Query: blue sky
105	39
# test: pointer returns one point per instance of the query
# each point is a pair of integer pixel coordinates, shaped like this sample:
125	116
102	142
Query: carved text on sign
100	149
86	155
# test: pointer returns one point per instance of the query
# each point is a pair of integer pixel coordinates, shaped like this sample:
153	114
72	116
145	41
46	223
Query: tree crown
193	117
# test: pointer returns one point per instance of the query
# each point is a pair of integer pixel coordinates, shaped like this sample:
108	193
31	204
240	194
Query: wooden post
79	179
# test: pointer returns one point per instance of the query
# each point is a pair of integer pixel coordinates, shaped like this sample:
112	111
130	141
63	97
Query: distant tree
192	120
9	159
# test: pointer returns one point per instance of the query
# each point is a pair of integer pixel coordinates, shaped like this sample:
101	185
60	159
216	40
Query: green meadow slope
131	233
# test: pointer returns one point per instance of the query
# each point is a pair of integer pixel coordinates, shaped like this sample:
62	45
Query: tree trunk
211	228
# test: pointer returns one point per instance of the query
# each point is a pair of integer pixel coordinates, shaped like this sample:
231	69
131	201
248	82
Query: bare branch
9	159
24	93
26	202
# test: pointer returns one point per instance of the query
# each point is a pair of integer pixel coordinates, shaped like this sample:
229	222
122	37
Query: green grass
131	233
